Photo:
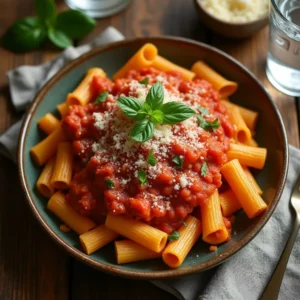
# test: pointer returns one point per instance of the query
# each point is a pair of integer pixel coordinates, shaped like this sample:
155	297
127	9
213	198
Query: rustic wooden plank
252	53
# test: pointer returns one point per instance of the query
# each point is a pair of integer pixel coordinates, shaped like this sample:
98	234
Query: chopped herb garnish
144	81
203	110
110	184
142	176
152	111
178	161
206	125
173	236
101	98
184	224
151	159
204	169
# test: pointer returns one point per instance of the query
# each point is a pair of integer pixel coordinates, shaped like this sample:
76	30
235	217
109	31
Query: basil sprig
101	98
110	184
152	111
32	32
204	169
178	161
151	159
173	236
142	176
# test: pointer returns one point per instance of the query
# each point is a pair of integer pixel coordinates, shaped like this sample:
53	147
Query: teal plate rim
117	270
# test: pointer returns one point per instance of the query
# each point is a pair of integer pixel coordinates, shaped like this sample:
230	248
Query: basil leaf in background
46	11
58	38
203	110
204	169
25	35
178	161
142	176
173	236
157	117
144	81
206	125
155	96
142	131
74	23
110	184
176	112
101	98
151	159
130	107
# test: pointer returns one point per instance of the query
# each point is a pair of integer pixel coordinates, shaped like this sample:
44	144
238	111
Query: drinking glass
99	8
283	61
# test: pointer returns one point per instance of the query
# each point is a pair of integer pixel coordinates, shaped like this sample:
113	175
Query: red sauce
104	151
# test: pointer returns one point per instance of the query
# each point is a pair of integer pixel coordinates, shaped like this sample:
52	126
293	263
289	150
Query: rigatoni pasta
143	158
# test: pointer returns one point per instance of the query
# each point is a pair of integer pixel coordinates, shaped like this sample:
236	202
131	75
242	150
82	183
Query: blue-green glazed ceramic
251	94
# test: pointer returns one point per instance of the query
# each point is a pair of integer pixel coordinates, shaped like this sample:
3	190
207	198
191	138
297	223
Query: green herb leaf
204	169
131	107
25	35
203	110
110	184
142	131
101	98
155	96
58	38
173	236
178	161
184	224
142	176
46	11
151	159
157	117
74	23
144	81
176	112
206	125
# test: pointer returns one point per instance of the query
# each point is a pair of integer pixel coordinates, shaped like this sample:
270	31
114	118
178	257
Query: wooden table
32	266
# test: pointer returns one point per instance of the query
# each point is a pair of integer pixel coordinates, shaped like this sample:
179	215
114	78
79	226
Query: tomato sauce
100	134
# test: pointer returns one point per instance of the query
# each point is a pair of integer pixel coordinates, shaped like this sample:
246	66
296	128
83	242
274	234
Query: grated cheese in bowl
236	11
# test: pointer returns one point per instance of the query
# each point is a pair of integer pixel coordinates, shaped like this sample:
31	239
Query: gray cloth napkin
242	277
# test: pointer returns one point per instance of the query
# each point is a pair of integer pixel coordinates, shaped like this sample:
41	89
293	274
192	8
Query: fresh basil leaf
58	38
141	114
184	224
203	110
206	125
147	108
176	112
151	159
178	161
46	11
173	236
110	184
144	81
130	107
157	117
25	35
204	169
155	96
75	23
142	131
101	98
142	176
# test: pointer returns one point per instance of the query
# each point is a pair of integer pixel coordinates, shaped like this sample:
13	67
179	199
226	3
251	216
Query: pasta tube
144	57
176	251
59	206
242	187
62	172
229	203
143	234
222	85
45	149
83	94
163	64
249	156
214	230
48	123
252	180
128	251
63	109
96	238
43	184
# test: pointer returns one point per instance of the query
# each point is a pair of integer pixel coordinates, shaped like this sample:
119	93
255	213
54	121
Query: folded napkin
242	277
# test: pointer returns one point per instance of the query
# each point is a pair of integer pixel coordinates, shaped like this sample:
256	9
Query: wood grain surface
31	265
